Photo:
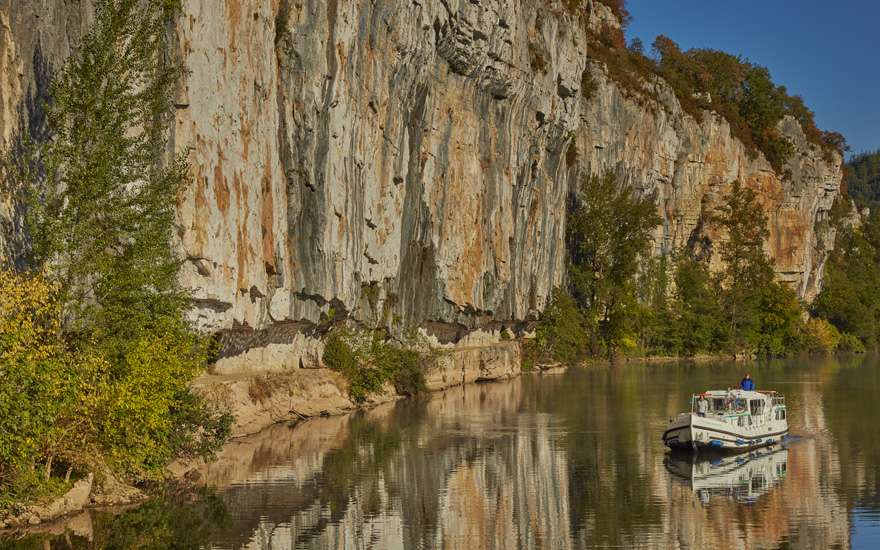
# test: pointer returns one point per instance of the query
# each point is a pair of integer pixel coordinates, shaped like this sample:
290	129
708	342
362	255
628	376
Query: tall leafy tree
748	268
700	322
850	297
608	231
659	326
104	216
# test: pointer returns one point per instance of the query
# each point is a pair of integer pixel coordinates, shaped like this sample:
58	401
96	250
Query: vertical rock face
404	162
35	38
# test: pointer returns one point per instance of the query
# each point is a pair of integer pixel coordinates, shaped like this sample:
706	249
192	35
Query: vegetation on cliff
97	356
707	80
863	179
369	359
671	305
850	296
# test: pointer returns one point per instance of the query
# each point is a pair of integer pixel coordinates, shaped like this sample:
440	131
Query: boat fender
740	460
769	441
740	442
751	442
784	436
717	443
758	440
718	462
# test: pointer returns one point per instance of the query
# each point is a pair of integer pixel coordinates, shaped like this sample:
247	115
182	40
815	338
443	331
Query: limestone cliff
403	162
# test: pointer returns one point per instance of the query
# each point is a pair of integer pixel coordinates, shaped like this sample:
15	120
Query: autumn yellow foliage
64	405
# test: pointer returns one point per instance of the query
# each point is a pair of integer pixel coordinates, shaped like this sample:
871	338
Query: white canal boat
736	420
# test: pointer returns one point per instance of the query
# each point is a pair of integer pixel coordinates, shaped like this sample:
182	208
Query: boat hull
692	432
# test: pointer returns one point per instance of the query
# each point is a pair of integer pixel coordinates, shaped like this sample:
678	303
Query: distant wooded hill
863	178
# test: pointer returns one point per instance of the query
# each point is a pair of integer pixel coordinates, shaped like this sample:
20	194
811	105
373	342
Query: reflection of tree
175	519
849	400
608	445
366	459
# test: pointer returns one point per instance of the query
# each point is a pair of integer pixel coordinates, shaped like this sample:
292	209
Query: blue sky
826	52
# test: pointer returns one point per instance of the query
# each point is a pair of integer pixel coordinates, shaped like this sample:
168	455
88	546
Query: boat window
742	420
780	414
756	406
718	405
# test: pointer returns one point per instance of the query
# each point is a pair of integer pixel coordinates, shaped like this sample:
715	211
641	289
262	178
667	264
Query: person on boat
702	407
747	383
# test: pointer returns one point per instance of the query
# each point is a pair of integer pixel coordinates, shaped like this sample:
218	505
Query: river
571	460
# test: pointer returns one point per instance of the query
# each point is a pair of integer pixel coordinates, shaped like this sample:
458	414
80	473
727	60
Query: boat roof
755	394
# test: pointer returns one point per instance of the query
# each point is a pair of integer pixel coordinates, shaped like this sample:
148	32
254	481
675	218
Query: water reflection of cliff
569	461
461	467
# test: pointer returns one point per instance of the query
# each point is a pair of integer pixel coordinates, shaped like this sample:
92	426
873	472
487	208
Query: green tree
103	218
658	325
48	395
762	107
103	221
562	335
607	233
701	325
781	325
748	269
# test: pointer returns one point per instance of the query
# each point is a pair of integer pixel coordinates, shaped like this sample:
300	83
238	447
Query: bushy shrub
368	360
69	408
848	342
820	336
339	355
572	154
589	86
537	58
562	336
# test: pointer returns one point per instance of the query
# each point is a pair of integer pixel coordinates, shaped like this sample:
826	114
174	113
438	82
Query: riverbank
262	399
65	511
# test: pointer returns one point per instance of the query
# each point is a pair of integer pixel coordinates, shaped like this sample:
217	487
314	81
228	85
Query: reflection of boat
736	420
744	476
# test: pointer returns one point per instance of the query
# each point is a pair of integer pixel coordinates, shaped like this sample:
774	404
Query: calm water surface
573	460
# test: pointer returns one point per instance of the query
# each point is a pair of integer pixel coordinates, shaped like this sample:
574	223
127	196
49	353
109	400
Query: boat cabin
741	403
